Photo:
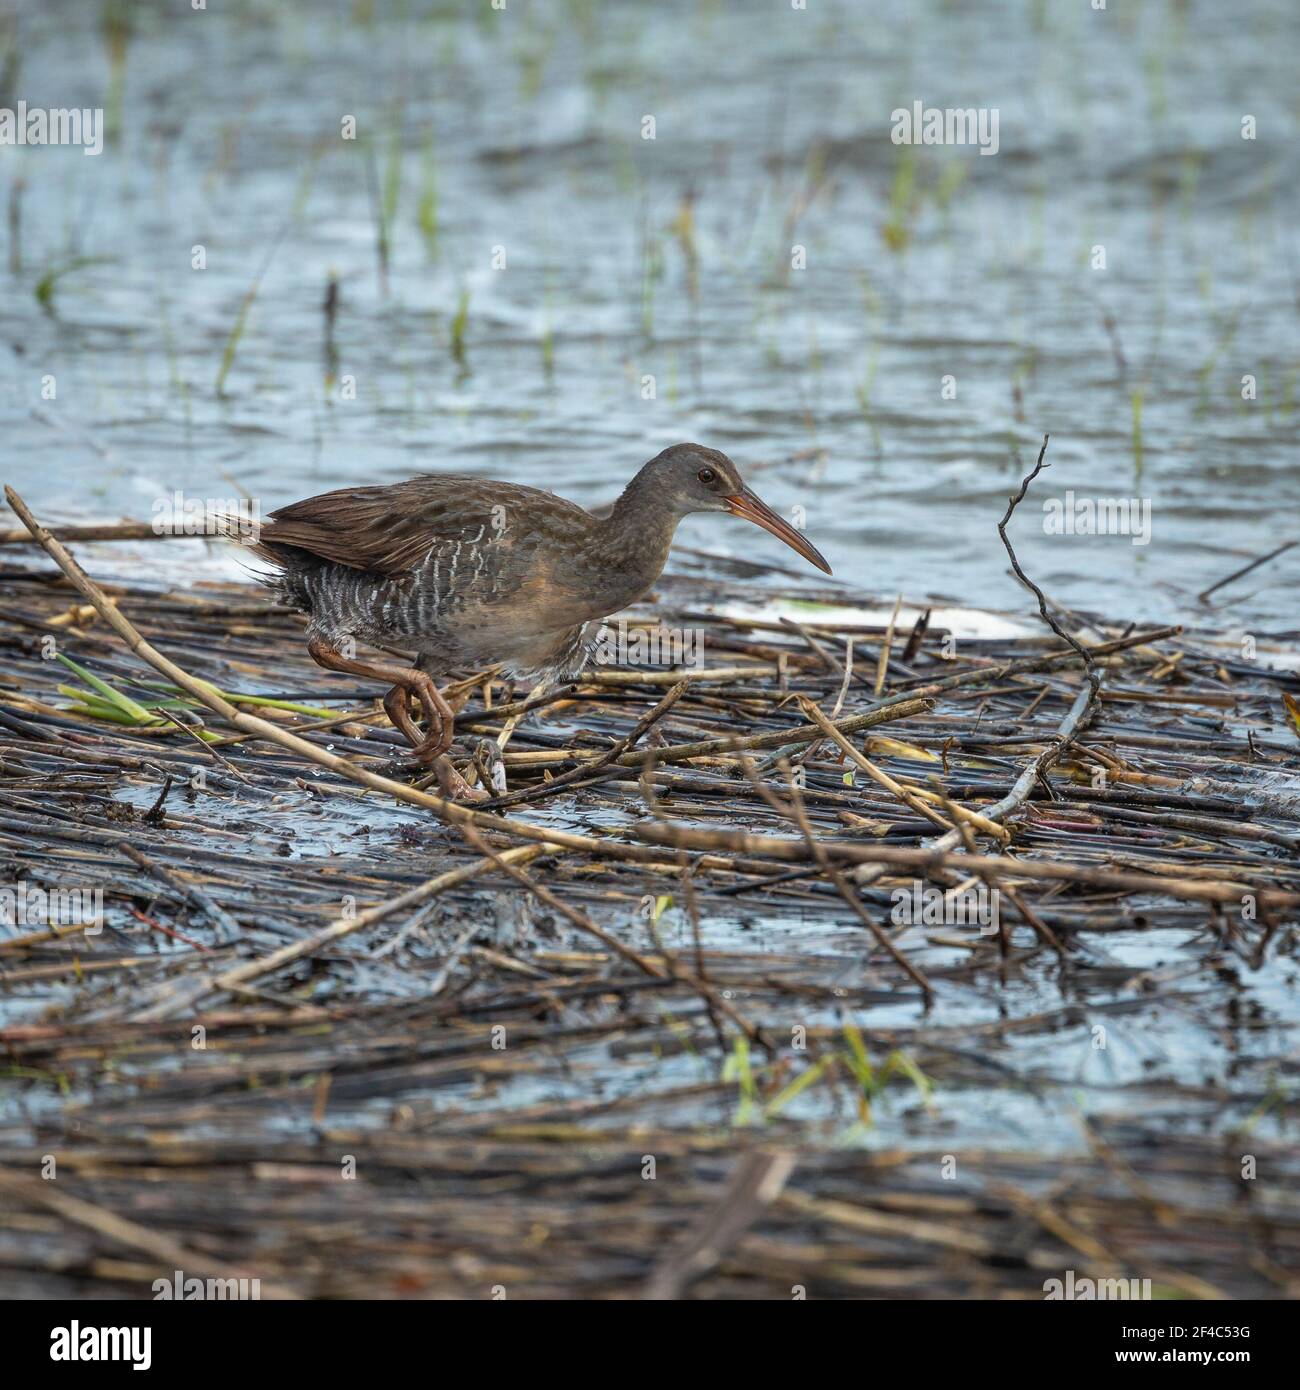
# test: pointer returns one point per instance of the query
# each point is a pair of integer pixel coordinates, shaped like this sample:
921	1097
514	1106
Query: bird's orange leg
404	680
398	710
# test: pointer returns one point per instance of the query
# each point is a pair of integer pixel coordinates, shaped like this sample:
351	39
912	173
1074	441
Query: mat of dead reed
726	1035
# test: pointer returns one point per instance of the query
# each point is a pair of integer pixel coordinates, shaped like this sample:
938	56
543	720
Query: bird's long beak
753	508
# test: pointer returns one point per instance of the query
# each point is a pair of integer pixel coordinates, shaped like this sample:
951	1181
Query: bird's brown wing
391	529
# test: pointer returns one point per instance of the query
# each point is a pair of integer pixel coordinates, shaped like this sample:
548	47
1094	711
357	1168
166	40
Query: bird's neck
638	533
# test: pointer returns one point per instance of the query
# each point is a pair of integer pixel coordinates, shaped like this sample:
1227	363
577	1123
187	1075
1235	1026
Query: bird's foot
453	786
428	751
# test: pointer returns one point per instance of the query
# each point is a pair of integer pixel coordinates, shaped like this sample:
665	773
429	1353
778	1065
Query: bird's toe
454	787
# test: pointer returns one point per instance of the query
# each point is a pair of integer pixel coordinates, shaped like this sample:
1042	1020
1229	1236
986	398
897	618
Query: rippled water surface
517	135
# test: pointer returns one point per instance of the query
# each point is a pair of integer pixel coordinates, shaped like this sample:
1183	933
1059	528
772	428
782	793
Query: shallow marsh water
627	258
517	133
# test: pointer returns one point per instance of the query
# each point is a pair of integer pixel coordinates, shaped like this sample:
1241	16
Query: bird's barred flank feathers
467	573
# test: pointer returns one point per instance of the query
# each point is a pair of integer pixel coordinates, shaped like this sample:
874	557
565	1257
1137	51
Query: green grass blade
137	713
796	1087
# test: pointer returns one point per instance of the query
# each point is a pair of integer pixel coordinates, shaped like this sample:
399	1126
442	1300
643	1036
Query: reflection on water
515	263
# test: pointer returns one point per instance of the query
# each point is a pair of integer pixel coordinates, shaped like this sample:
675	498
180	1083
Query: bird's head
690	478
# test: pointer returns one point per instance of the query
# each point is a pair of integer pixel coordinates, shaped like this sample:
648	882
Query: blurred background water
517	133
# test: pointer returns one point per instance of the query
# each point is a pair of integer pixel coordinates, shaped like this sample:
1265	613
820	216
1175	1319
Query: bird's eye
706	475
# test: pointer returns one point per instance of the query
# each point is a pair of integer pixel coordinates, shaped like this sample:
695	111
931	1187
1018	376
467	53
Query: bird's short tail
252	533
